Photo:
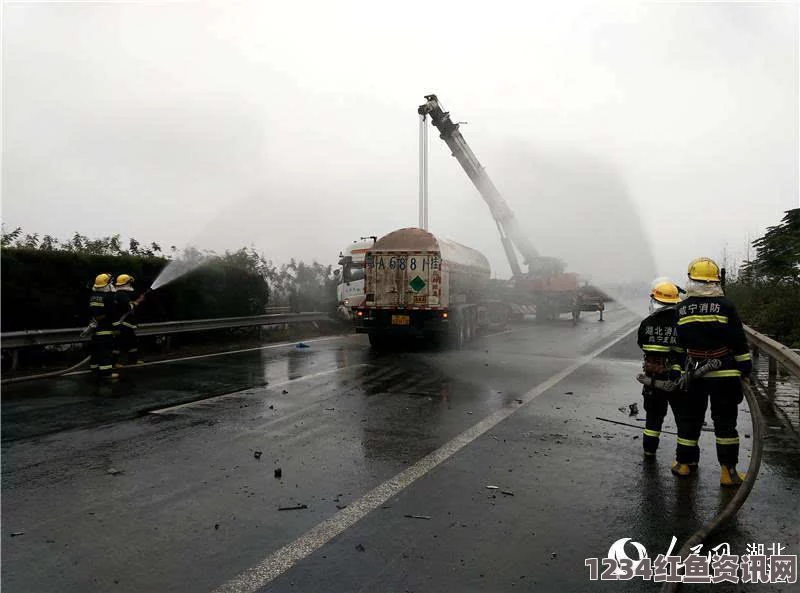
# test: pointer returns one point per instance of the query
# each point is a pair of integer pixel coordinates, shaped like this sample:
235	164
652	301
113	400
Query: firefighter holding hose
101	315
125	325
710	330
663	360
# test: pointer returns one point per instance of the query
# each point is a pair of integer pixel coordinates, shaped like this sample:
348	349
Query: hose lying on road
46	375
741	495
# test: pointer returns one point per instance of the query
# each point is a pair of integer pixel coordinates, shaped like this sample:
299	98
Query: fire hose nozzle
656	383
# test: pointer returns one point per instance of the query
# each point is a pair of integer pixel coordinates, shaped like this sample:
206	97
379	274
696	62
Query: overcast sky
628	137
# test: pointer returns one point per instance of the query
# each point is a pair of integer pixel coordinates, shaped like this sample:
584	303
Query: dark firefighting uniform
101	310
125	329
664	360
710	328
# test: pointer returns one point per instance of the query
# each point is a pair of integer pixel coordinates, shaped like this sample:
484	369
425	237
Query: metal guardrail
52	337
778	353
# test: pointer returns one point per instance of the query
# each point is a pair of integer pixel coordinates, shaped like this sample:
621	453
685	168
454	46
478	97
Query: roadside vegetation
767	288
46	281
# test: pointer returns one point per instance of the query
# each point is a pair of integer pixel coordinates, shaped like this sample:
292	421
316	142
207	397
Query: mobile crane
552	290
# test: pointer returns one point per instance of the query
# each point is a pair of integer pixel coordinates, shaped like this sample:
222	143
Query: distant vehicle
350	290
546	285
425	286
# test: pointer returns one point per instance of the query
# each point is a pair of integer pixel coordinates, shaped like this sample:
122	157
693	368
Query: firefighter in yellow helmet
663	359
709	328
125	327
101	314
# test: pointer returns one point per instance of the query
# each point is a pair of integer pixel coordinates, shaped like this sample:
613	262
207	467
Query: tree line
766	288
46	281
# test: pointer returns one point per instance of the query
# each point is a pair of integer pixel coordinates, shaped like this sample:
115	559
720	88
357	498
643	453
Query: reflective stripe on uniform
742	357
727	440
703	319
130	325
655	348
104	333
687	442
725	373
97	304
678	349
105	367
652	433
676	367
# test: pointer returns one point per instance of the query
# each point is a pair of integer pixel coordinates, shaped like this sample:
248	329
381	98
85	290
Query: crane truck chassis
419	285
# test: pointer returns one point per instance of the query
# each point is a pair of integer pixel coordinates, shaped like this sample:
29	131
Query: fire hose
752	471
742	493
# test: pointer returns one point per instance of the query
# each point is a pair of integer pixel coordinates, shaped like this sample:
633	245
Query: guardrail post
773	368
772	374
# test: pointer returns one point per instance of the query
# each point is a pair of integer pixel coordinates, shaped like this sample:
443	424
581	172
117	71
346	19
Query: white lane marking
198	402
286	557
213	354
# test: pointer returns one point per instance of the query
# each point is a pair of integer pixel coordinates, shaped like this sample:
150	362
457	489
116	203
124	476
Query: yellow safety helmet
102	280
666	293
124	279
704	269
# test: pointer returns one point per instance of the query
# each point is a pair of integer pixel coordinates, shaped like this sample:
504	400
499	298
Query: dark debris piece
426	517
297	507
257	454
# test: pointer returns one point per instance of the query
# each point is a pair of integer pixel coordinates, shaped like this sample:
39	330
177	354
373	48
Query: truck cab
350	290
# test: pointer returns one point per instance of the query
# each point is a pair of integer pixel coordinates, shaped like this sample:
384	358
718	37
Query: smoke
576	206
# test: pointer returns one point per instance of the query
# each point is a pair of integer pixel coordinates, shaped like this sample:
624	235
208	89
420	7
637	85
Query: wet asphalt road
189	507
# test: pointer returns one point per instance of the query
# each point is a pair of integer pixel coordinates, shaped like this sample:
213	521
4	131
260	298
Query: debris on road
360	548
341	506
115	472
284	392
426	517
330	409
302	345
553	555
568	393
507	492
492	487
216	525
257	454
633	409
297	507
519	401
17	533
278	472
271	407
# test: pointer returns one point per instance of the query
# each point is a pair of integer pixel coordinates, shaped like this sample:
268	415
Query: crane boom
510	233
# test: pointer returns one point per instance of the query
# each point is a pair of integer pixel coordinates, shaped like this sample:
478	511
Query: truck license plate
401	320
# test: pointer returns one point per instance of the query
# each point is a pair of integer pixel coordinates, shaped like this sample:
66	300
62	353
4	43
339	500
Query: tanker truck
423	286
